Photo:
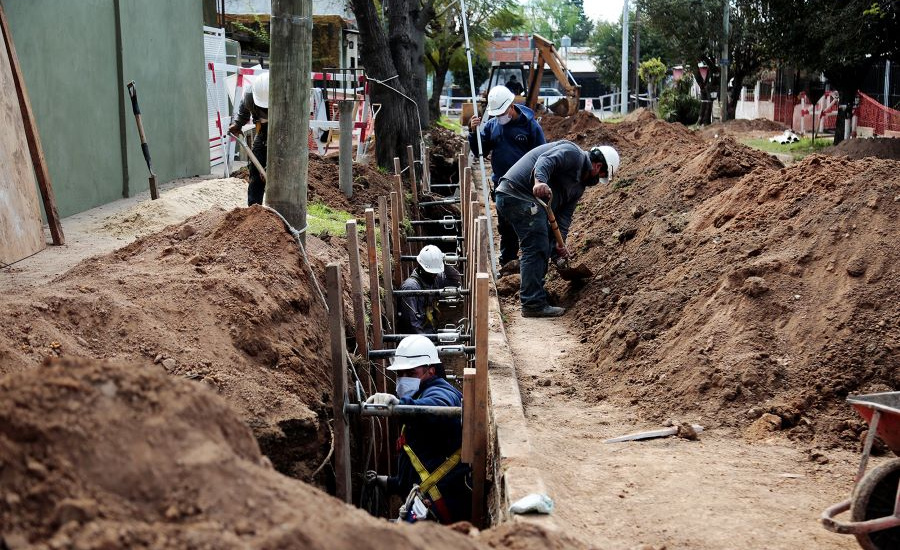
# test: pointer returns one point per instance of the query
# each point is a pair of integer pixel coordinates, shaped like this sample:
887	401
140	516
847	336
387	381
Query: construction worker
430	444
418	314
513	85
507	137
560	170
255	104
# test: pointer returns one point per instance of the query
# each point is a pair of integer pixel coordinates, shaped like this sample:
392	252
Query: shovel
568	273
132	92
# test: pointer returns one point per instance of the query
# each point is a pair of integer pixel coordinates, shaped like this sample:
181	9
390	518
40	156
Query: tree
606	50
446	40
393	53
651	72
554	19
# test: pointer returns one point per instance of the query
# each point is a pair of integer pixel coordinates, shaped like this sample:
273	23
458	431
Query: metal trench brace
443	351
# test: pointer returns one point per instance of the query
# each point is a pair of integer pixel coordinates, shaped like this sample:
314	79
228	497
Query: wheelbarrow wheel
874	497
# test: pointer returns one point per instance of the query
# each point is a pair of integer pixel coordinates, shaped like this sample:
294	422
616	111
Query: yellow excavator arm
545	53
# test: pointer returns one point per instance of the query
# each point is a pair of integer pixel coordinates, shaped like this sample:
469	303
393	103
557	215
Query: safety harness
429	480
431	306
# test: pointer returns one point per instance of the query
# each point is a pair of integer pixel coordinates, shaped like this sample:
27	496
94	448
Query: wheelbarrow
874	503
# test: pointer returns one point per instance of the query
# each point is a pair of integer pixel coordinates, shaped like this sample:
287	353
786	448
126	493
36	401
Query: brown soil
122	455
556	127
742	126
854	149
444	146
368	184
223	298
727	282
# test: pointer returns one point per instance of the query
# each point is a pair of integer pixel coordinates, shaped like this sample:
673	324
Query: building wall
71	62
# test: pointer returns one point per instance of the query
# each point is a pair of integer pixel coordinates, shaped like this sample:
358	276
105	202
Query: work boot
546	311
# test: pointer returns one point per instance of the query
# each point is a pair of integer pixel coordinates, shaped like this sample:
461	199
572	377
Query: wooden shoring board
426	171
21	230
374	294
466	454
413	185
35	148
356	292
396	245
343	489
480	412
386	271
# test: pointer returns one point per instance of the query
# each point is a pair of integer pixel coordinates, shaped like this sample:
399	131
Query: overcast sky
605	10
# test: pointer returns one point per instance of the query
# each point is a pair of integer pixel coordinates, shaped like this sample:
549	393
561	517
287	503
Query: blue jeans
529	220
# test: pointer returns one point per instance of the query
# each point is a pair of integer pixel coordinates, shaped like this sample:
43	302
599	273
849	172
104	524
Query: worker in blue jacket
429	445
507	136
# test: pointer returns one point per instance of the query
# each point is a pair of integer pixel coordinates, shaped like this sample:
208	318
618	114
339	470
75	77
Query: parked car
549	96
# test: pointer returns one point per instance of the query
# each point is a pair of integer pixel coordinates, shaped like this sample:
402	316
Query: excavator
544	54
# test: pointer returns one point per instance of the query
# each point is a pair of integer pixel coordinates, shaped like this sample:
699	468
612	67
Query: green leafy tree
606	50
554	19
651	72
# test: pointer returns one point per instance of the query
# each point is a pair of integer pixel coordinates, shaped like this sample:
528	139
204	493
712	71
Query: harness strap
430	479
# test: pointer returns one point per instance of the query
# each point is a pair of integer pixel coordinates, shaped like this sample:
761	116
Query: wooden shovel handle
552	219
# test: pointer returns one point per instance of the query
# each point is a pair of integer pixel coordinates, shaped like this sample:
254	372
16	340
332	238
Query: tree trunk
396	125
440	74
705	101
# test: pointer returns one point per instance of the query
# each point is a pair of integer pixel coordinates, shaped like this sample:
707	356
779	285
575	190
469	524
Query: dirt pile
369	183
223	298
443	148
121	455
729	286
742	126
557	127
854	149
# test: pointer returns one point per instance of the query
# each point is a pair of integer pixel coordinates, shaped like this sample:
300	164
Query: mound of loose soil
324	184
443	148
742	126
121	455
727	282
224	298
854	149
556	127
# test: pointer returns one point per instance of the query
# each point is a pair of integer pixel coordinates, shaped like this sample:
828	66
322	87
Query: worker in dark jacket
506	138
418	314
562	170
430	444
255	104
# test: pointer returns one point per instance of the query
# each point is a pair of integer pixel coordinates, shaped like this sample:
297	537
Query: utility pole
723	63
289	64
624	107
637	58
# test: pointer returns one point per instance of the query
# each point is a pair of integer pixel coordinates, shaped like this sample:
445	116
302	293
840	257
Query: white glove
382	399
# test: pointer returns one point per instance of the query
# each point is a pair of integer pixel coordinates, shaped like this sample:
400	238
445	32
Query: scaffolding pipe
404	411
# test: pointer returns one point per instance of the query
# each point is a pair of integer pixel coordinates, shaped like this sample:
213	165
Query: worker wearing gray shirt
566	169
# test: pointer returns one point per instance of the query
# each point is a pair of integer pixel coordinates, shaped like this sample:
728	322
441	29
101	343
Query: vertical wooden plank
374	294
397	169
467	454
480	412
481	256
359	304
411	159
461	167
338	381
396	248
345	153
426	171
35	147
386	272
398	188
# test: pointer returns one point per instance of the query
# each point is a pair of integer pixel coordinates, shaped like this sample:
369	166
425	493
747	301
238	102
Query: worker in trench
429	446
419	314
506	137
255	104
559	170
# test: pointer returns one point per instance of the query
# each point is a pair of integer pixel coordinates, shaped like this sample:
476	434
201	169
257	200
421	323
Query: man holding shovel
255	104
557	173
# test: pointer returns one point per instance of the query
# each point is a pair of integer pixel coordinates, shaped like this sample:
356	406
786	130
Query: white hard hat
499	100
431	259
610	156
261	91
414	351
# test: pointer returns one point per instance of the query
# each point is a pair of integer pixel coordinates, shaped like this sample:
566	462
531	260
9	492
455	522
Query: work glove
561	251
382	399
372	478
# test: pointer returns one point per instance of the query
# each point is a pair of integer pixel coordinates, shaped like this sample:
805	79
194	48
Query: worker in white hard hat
419	314
512	132
430	444
560	170
255	104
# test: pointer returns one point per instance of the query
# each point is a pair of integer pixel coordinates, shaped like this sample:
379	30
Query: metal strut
401	410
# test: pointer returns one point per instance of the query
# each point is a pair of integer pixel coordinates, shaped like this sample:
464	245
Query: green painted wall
69	57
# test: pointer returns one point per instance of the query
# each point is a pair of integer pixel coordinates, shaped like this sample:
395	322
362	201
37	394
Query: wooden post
467	454
345	175
480	412
338	381
374	294
426	171
359	303
288	155
386	272
483	262
465	150
412	178
396	249
398	188
35	147
398	171
461	168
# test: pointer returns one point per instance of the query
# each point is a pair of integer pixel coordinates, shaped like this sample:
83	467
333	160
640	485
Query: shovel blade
580	271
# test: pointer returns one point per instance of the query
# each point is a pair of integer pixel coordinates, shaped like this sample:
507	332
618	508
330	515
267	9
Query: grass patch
322	220
798	150
449	124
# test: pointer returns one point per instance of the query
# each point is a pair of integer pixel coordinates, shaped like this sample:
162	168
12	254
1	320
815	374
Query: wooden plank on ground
32	137
338	381
480	412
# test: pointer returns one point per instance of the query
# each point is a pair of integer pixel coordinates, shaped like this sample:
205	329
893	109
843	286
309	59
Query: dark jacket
413	311
249	109
506	143
560	164
433	439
